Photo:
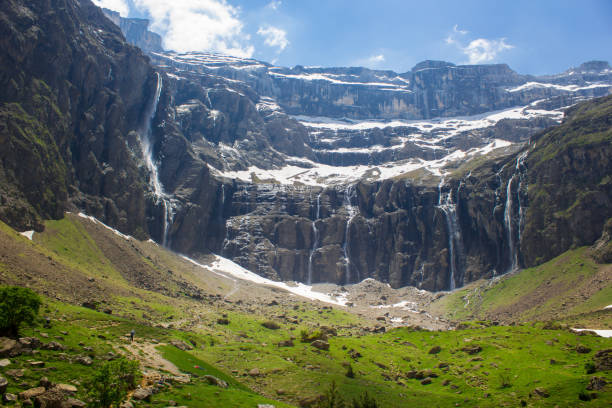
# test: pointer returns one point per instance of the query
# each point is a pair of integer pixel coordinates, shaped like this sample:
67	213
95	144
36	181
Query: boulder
472	349
143	394
29	342
603	360
541	392
435	350
285	343
212	380
9	347
66	388
181	345
320	344
582	349
5	362
596	384
37	364
85	360
31	393
44	382
223	321
50	399
9	398
73	403
270	325
426	381
54	346
255	372
3	385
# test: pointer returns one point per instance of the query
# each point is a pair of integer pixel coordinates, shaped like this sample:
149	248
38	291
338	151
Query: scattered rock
16	373
223	321
426	381
255	372
66	388
320	344
85	360
285	343
9	347
541	392
596	384
29	342
73	403
3	385
31	393
54	346
5	362
44	382
603	360
215	381
9	398
472	349
50	399
37	364
179	344
143	394
435	350
582	349
445	382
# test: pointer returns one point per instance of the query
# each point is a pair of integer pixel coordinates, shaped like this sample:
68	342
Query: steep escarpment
570	184
72	98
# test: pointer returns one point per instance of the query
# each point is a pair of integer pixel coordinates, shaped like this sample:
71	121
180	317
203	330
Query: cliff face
136	31
214	153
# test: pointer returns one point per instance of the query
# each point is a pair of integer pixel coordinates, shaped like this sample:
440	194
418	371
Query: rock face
213	153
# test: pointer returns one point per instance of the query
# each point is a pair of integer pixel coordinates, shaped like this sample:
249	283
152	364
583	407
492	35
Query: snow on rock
602	333
96	221
27	234
228	269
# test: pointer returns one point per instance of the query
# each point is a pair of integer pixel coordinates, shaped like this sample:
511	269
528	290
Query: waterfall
449	209
514	245
348	194
147	150
315	242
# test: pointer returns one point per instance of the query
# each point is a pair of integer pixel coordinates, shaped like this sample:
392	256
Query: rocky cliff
204	153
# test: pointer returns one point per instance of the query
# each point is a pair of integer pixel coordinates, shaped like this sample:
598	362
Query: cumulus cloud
274	37
198	25
483	50
478	51
375	59
115	5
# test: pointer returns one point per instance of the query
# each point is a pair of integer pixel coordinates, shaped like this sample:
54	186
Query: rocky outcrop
136	31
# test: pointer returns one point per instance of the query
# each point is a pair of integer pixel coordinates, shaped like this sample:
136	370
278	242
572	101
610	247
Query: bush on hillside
17	306
111	384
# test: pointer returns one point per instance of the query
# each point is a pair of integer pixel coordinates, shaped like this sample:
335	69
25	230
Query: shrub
17	306
365	402
589	367
504	380
349	372
114	379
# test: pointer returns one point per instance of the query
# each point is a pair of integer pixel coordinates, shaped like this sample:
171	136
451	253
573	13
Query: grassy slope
230	351
564	288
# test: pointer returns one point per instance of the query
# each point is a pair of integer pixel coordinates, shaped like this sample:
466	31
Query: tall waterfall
315	243
352	212
514	236
449	209
147	149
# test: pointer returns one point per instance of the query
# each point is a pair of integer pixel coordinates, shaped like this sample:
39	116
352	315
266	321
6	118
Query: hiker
132	333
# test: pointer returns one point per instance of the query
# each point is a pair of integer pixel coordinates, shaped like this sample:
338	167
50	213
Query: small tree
332	398
365	402
17	305
110	385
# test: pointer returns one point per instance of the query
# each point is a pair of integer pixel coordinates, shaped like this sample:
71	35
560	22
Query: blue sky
533	37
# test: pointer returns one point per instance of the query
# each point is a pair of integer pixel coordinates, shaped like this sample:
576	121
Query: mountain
307	174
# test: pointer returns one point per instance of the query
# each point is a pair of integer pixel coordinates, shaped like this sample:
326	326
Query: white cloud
115	5
483	50
375	59
198	25
274	37
274	4
478	51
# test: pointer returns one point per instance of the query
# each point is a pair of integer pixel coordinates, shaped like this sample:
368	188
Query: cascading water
315	242
449	209
147	149
352	212
513	245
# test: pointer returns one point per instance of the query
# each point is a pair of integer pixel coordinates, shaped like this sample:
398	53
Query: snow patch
228	269
602	333
28	234
96	221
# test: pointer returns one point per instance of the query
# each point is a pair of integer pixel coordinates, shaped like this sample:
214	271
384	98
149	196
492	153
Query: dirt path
150	357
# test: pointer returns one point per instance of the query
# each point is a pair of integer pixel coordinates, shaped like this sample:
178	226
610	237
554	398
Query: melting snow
96	221
569	88
224	267
602	333
28	234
